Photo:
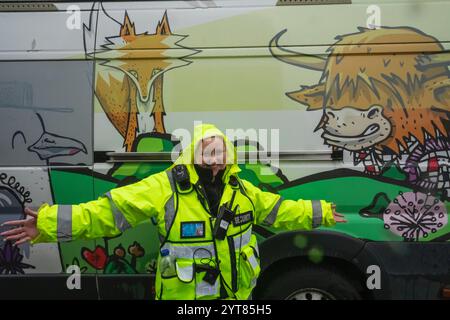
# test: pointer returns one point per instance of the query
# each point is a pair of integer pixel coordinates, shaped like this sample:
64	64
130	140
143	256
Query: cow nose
373	112
331	114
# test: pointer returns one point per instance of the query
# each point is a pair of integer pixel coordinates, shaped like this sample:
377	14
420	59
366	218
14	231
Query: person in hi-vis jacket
204	214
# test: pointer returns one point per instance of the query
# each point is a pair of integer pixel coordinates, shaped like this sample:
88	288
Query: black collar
206	175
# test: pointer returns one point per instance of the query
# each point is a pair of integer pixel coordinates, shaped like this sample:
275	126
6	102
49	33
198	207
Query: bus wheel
310	283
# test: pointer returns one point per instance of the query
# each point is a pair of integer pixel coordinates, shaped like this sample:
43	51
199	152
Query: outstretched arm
109	215
272	210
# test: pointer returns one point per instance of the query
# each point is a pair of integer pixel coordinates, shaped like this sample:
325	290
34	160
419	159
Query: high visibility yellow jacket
185	224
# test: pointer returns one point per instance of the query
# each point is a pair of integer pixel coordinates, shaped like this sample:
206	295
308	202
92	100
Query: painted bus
342	100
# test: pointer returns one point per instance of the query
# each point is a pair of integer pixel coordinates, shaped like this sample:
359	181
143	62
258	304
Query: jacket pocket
207	280
181	286
249	265
188	284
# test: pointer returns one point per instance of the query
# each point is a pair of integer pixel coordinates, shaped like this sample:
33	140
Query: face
355	130
212	154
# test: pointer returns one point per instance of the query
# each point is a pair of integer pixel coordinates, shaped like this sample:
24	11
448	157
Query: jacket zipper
201	196
232	250
233	263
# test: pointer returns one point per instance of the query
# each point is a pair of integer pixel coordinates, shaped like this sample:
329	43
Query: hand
26	230
337	216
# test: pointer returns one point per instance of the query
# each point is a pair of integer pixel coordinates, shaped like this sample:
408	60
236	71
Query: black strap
233	181
232	200
181	176
241	186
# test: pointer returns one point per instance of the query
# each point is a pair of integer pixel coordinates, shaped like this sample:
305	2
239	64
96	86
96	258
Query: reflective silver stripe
253	262
169	216
243	239
203	288
186	273
317	213
172	183
169	207
64	223
120	220
272	216
191	252
257	250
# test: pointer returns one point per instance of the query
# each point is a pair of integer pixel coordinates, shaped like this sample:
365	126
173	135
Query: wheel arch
337	251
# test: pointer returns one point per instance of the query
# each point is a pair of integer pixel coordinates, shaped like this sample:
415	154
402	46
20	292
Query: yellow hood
201	132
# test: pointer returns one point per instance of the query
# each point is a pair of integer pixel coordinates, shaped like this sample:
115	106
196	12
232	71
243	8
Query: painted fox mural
129	80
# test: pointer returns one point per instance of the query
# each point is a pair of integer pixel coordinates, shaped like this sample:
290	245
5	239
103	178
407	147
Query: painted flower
136	250
414	215
11	260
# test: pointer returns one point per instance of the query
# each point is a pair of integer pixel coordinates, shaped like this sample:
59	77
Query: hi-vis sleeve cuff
327	214
46	224
319	212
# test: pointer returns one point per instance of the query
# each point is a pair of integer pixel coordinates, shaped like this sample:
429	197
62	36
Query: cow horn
298	59
434	59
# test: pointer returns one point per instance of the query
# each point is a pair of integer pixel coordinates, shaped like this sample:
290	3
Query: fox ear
163	26
311	96
127	28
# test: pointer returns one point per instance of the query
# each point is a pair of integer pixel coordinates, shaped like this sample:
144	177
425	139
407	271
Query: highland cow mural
380	105
385	108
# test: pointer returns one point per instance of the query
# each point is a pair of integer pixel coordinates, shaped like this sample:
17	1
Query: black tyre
309	283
